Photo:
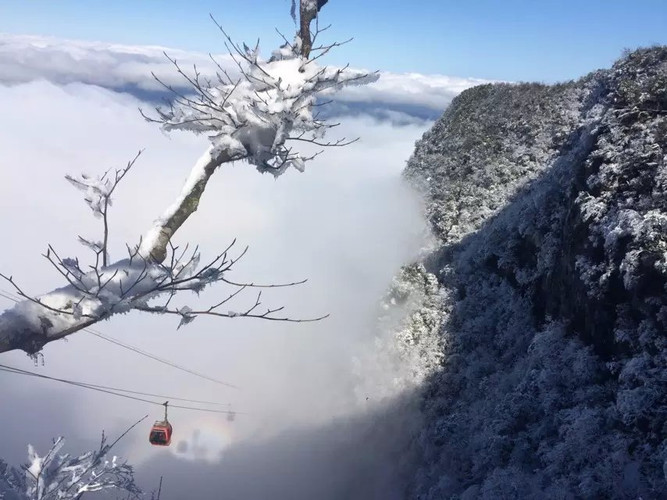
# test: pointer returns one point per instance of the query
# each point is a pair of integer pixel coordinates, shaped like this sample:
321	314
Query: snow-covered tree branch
258	115
255	116
56	476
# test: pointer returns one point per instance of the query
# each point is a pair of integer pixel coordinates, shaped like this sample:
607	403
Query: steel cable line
141	352
112	391
116	389
137	350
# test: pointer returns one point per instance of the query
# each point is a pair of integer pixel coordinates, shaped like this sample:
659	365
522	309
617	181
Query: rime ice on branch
57	476
258	115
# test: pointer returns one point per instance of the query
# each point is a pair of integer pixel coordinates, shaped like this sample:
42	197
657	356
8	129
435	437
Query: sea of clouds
347	224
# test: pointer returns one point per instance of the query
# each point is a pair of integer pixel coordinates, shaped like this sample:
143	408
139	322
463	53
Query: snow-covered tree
257	114
57	476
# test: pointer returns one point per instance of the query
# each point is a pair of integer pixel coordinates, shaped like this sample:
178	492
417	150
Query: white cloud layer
128	68
27	58
347	224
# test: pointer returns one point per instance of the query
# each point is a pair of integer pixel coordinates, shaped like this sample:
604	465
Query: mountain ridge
550	207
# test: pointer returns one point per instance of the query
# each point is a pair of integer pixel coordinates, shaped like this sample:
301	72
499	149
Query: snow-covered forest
550	204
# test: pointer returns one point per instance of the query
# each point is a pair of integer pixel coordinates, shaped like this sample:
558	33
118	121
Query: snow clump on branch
268	106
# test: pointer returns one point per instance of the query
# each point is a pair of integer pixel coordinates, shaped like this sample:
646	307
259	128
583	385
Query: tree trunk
308	12
154	244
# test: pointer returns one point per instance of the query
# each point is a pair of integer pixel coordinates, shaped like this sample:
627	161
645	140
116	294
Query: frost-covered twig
129	284
98	192
58	476
188	315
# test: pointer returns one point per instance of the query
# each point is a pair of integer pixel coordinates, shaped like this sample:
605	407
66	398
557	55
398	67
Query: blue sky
543	40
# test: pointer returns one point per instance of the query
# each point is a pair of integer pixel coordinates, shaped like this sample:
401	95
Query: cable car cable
109	390
137	350
160	360
161	396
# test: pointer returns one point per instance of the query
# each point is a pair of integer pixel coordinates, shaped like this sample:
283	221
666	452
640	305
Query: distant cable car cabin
161	431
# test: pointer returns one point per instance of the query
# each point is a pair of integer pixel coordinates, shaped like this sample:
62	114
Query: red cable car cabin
160	434
161	431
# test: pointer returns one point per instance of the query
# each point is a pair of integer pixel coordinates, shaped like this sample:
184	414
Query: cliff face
550	204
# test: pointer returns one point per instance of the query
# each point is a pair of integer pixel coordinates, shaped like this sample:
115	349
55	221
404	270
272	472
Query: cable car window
158	437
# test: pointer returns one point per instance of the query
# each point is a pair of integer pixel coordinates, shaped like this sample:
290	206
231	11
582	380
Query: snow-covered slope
550	204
